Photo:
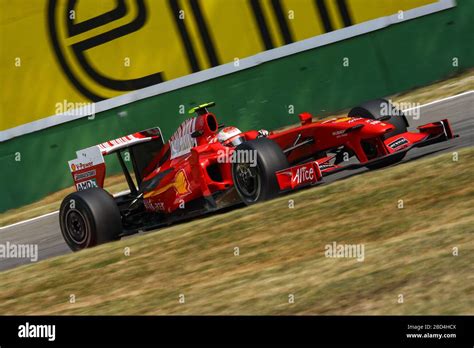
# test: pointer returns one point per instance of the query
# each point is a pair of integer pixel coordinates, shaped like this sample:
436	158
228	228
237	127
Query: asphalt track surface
45	232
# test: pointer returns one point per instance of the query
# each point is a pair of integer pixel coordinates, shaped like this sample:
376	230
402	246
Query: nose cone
376	127
371	128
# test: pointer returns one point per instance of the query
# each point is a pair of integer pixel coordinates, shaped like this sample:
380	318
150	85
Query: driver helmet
230	136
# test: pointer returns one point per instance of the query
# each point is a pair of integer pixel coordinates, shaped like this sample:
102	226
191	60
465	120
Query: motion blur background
143	61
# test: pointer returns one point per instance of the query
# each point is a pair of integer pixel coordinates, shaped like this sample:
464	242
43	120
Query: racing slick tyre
254	167
381	108
88	218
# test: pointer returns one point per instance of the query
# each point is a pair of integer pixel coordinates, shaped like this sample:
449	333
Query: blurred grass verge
408	252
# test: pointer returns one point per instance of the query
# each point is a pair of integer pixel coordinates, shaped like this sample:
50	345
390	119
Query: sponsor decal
80	166
325	166
179	183
340	133
300	175
85	175
397	143
86	158
304	175
375	122
155	206
86	184
181	142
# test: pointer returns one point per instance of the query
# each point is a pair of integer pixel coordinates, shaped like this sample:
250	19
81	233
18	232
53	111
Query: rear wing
130	140
88	169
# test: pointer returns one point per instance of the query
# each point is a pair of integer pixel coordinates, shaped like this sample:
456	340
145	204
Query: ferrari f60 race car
205	166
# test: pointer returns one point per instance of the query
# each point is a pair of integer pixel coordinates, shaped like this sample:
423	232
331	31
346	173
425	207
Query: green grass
408	251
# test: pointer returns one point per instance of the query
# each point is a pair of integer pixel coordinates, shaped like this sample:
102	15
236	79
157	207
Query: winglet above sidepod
201	109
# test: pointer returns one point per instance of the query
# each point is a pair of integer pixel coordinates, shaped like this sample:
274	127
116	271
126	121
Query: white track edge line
48	214
29	220
441	100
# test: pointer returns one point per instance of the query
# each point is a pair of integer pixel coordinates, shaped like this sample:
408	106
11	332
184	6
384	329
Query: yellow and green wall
141	61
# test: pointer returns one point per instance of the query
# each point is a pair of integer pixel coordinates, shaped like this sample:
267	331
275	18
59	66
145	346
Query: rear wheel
88	218
254	167
379	109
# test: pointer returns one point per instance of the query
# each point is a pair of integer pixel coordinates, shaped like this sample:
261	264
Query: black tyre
88	218
376	110
388	161
256	182
381	108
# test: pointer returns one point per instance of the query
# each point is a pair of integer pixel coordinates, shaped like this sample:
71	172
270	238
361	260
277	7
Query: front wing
311	173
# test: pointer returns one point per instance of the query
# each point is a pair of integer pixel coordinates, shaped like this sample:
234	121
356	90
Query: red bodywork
194	165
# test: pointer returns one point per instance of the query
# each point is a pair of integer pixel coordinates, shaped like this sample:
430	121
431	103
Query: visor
235	141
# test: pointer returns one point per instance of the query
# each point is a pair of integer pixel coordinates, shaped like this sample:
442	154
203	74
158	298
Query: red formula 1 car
205	166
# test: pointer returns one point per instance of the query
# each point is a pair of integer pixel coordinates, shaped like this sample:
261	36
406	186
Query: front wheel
88	218
380	109
253	169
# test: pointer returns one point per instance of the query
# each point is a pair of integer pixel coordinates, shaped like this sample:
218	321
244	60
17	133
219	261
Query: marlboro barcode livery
207	166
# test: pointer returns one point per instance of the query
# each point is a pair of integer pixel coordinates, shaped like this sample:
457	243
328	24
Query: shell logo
180	184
